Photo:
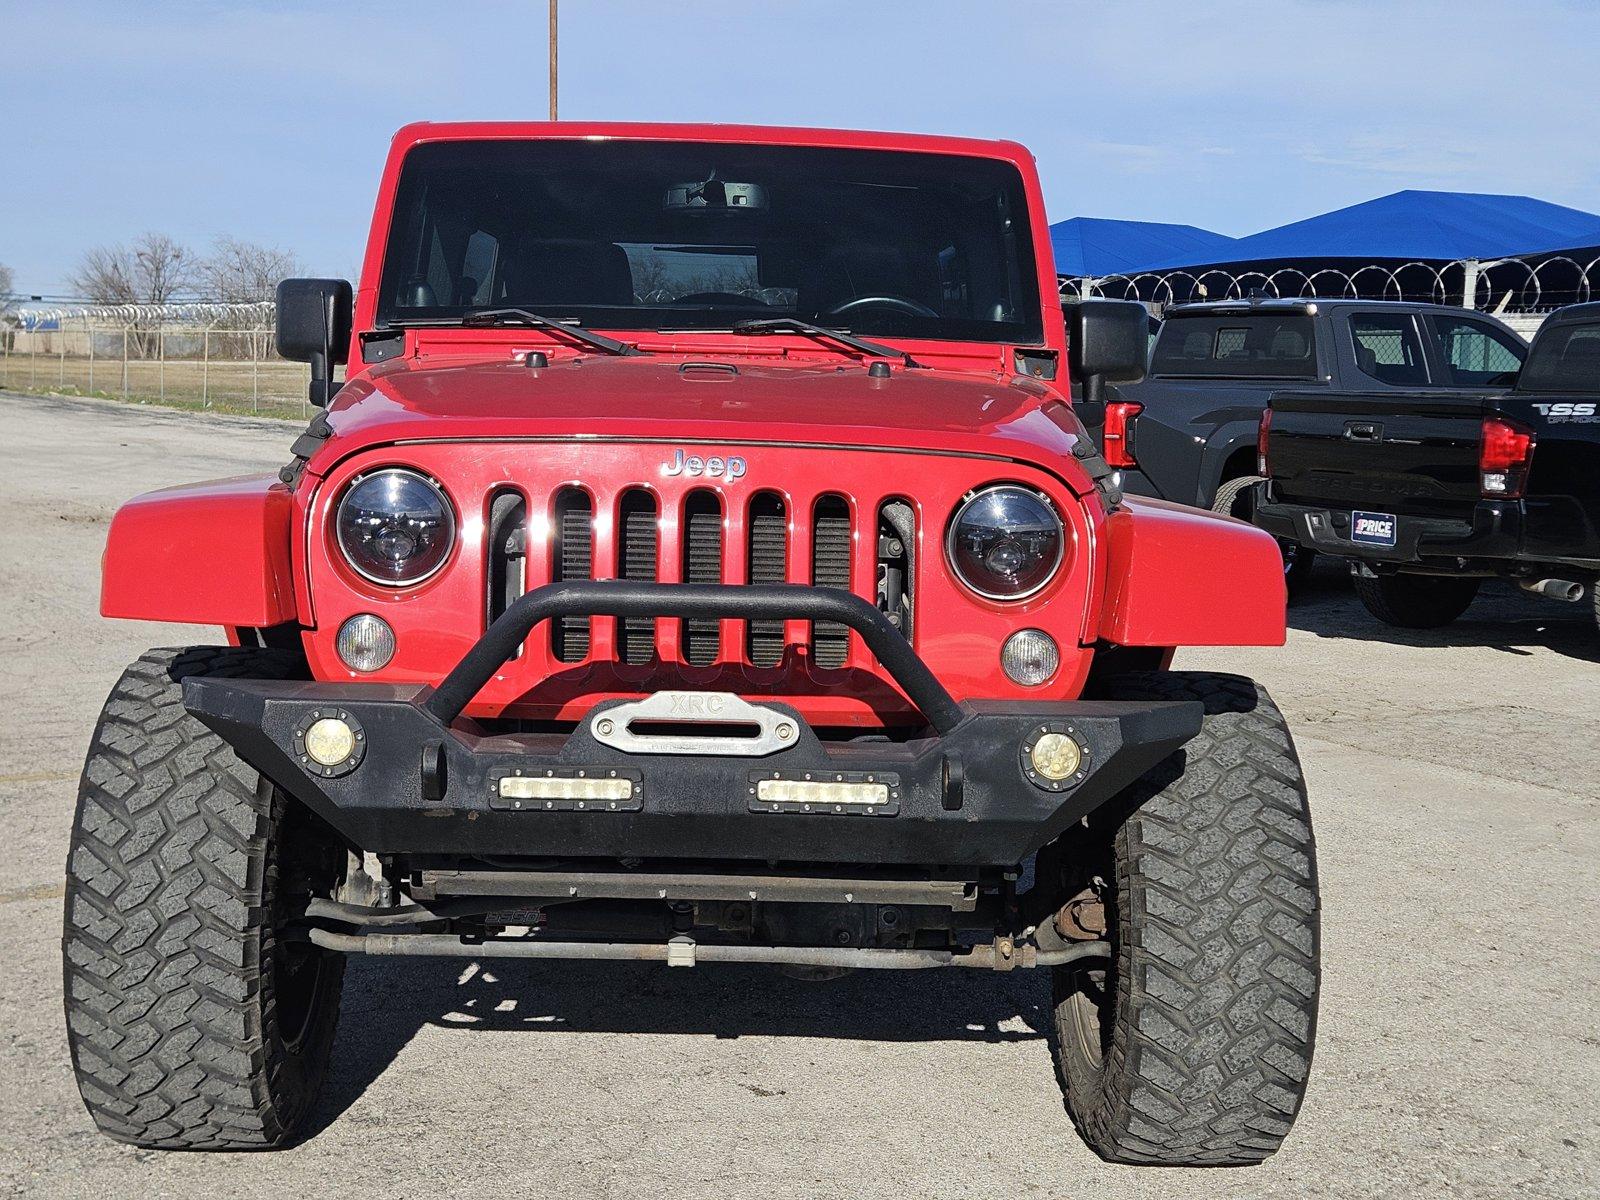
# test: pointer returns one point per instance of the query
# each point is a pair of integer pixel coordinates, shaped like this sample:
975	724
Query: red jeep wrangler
700	563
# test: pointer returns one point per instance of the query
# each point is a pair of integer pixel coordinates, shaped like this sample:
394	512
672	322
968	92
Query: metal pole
89	329
255	378
161	362
1469	283
552	60
61	360
205	368
124	362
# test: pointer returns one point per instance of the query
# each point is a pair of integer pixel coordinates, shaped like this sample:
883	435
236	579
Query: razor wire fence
1518	288
188	355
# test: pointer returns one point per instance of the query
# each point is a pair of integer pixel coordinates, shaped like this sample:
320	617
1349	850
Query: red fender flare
213	553
1179	576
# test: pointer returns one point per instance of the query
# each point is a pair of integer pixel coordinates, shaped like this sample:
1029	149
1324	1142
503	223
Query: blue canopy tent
1098	246
1413	245
1409	225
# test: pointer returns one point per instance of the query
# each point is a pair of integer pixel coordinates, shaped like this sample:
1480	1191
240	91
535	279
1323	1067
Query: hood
722	402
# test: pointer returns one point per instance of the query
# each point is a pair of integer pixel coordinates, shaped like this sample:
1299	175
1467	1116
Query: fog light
1056	756
1030	657
365	643
330	742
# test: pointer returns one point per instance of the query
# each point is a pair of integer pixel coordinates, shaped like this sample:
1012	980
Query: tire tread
168	1019
1218	965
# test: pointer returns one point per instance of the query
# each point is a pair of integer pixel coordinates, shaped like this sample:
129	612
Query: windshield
681	235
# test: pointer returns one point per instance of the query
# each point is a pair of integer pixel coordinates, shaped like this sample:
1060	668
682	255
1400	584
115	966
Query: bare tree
239	272
155	269
6	280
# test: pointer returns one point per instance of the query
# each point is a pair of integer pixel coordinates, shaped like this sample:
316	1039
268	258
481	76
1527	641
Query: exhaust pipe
1553	589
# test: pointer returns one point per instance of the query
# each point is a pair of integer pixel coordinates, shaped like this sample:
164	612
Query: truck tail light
1263	432
1504	456
1118	435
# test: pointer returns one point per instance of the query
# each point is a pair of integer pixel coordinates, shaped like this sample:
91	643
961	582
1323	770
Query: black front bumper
426	784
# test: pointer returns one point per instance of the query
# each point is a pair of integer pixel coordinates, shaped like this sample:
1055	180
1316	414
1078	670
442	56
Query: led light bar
798	791
538	787
853	792
567	789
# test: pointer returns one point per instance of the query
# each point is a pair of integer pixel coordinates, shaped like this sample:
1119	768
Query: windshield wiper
520	316
796	325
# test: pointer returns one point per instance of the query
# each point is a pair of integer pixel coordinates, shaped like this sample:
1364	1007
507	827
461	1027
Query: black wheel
192	1024
1237	498
1415	601
1192	1044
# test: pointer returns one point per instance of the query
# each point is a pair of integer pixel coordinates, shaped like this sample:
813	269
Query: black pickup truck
1430	493
1187	432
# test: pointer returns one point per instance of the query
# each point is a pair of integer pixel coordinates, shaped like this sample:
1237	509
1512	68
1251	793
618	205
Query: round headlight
1005	542
395	526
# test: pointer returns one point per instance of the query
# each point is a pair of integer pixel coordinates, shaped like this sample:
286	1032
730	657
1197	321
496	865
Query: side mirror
314	317
1107	342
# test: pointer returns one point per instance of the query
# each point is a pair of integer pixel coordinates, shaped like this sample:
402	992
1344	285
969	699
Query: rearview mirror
314	317
1107	342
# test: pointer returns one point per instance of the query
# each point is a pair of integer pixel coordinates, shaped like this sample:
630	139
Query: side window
1479	355
1388	349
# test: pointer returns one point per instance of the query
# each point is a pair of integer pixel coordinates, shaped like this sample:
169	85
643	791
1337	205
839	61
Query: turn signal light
1504	456
1118	436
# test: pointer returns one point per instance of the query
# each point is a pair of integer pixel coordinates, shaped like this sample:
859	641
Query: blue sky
269	122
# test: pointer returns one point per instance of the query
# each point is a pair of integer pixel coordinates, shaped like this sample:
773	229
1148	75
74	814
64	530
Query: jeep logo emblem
731	468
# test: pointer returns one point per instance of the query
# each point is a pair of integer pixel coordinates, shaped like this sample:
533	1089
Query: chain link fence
205	356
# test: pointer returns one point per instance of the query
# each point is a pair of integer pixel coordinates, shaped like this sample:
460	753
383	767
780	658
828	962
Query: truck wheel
1191	1046
192	1024
1237	498
1415	601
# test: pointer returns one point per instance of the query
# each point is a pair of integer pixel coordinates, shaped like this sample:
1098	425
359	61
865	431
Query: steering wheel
899	304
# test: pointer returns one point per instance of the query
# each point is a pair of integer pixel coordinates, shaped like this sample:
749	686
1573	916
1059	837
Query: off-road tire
1192	1046
1416	601
192	1025
1236	498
